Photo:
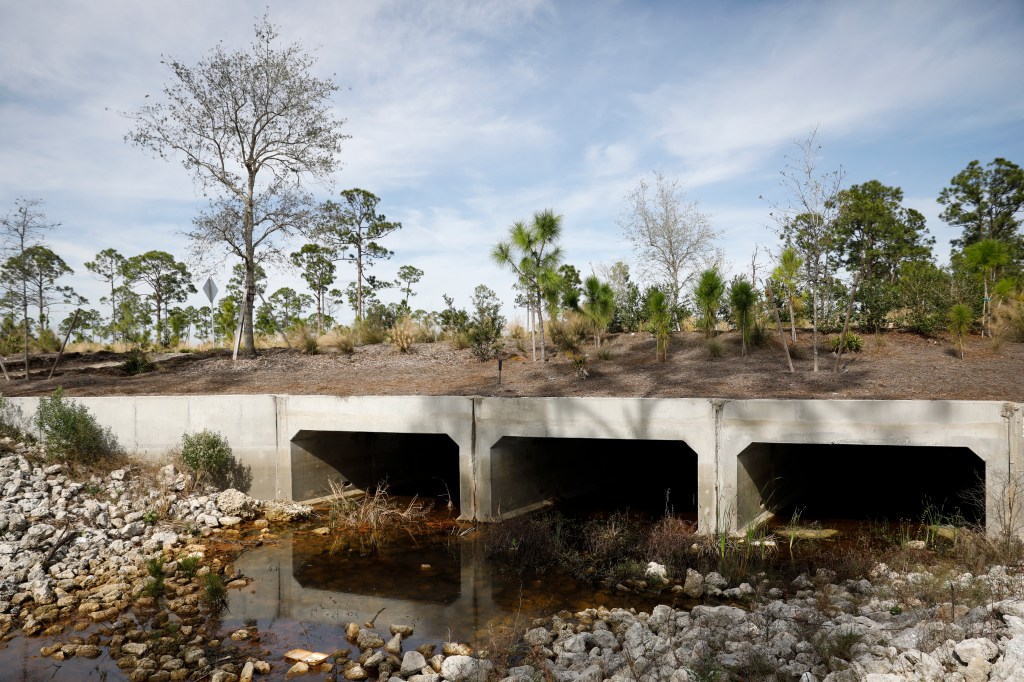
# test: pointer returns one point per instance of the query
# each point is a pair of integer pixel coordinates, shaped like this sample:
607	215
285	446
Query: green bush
854	343
70	432
206	453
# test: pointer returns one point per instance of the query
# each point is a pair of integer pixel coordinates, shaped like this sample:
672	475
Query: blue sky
467	116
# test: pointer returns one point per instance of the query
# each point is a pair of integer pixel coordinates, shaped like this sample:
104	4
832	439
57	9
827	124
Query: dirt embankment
891	366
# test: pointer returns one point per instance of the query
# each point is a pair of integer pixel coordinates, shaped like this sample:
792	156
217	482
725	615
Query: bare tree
249	125
808	219
22	229
673	239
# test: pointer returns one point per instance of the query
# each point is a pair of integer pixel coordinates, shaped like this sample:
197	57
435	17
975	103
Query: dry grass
404	334
372	517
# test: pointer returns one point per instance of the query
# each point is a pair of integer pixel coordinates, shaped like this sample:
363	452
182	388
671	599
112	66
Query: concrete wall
500	476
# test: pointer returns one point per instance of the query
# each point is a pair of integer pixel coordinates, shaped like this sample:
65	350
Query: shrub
207	453
12	422
579	365
714	347
137	362
854	343
69	431
370	332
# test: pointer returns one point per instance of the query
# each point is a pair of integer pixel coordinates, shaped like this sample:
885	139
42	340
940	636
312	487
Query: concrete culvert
424	464
602	473
859	482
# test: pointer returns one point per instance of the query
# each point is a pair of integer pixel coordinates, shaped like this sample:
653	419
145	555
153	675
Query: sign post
210	289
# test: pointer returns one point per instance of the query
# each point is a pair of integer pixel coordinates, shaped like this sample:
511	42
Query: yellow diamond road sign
210	289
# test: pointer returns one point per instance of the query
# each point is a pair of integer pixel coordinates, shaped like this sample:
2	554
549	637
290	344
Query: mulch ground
892	366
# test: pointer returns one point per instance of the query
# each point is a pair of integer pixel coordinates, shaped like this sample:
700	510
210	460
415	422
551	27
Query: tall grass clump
403	334
569	332
1009	321
70	432
344	339
306	339
370	332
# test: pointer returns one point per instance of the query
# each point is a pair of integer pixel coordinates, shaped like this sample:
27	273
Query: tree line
255	126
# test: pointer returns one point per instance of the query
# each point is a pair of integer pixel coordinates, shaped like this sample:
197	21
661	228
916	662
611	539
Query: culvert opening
593	473
859	482
424	464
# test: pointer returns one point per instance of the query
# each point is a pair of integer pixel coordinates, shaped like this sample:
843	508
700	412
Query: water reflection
431	586
443	587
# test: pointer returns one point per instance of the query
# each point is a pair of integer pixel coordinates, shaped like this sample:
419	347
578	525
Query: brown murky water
302	594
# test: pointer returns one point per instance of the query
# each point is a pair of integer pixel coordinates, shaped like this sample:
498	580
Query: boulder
233	502
465	669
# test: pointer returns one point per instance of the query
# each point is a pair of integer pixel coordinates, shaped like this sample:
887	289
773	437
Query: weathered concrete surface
294	443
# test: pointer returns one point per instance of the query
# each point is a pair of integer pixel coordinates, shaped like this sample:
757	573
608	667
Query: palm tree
708	297
598	305
659	318
532	253
960	319
986	255
787	273
742	298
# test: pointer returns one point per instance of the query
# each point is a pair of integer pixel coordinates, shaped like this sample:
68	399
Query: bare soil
893	366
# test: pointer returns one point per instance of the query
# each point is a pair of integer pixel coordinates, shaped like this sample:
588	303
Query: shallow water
303	593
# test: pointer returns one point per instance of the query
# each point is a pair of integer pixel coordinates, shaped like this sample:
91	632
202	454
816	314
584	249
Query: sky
468	115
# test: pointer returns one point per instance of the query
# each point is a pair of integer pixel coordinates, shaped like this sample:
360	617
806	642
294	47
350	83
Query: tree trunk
540	322
814	319
359	278
743	335
24	321
248	341
792	317
984	308
846	321
778	323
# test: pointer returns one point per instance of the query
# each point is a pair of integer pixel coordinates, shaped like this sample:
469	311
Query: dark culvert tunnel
859	482
593	474
424	464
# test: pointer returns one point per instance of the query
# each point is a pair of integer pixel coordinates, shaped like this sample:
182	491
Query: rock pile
74	554
825	633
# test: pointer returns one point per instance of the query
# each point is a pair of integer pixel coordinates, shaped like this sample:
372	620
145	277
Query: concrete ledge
262	428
